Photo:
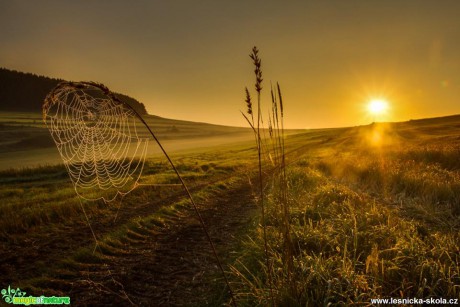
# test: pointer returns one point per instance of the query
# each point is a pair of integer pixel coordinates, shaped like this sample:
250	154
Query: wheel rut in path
175	265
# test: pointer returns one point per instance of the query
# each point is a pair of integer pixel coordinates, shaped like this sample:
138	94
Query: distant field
26	142
374	212
166	128
16	126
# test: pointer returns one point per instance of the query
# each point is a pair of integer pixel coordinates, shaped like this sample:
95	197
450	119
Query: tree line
25	92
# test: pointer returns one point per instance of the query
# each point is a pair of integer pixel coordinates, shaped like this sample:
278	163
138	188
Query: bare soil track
171	265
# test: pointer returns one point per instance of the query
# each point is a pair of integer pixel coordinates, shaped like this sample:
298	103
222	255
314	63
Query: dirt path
175	266
183	269
172	265
22	256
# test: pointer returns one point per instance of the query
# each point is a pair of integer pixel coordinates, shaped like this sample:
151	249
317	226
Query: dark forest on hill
25	92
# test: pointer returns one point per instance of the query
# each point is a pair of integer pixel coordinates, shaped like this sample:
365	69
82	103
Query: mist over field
50	156
26	142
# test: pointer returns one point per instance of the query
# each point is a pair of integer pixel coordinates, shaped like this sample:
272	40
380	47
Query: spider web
97	139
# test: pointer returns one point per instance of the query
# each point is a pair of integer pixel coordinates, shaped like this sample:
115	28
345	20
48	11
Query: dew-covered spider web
97	138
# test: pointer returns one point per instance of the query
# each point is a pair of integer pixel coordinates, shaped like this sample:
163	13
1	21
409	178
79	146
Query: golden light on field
377	106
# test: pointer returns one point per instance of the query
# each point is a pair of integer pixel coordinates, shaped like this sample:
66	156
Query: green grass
36	196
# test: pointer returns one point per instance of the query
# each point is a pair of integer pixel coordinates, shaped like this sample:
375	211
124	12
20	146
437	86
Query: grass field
374	213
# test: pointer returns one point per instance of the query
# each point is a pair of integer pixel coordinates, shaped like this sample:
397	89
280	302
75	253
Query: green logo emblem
9	294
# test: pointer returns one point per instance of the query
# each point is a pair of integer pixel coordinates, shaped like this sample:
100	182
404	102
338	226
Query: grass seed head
281	99
248	101
258	72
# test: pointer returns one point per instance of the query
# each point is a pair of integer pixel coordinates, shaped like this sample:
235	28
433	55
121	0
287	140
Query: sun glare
377	106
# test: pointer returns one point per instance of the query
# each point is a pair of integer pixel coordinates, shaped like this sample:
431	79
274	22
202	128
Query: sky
189	59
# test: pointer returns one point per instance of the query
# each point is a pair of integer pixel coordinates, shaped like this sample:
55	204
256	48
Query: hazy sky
189	59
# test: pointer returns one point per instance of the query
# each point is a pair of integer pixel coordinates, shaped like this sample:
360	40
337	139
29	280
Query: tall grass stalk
258	85
275	153
256	127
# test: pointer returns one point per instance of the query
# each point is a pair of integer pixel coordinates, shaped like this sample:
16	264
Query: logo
18	297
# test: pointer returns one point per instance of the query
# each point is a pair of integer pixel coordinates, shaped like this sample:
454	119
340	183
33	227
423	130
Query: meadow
373	213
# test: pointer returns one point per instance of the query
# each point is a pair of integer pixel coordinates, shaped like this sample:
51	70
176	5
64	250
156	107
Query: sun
377	106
